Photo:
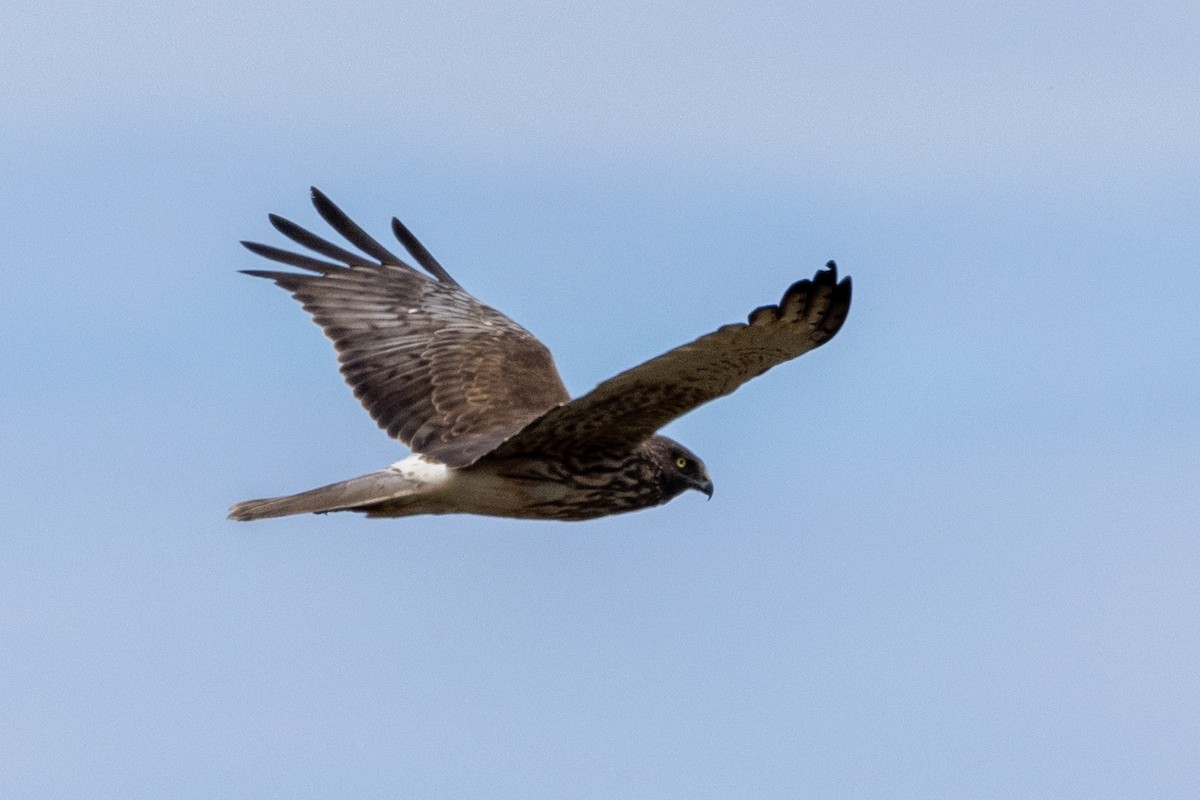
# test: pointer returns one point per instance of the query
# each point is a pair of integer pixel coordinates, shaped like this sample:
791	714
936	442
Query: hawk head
679	469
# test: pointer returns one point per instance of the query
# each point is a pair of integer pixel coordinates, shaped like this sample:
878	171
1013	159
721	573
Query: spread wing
440	371
630	407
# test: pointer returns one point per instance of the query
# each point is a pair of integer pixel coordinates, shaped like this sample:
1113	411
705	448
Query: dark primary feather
631	406
286	257
418	251
445	374
306	238
348	228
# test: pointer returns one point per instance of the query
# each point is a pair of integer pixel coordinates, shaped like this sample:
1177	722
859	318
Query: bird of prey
478	399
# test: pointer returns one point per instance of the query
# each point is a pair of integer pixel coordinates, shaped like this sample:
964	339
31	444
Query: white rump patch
418	468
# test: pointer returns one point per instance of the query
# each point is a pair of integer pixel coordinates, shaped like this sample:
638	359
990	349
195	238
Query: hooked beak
705	486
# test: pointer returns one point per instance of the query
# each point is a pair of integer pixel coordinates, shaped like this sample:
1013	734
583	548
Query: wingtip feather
419	252
291	259
348	228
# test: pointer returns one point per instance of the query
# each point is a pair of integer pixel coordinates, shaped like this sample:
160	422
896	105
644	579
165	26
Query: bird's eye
681	462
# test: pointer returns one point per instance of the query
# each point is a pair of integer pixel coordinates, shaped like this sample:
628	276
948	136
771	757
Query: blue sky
952	554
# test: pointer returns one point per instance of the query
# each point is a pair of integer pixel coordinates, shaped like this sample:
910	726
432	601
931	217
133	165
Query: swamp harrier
478	399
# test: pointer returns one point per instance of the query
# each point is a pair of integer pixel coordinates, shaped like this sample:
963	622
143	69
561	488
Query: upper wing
630	407
440	371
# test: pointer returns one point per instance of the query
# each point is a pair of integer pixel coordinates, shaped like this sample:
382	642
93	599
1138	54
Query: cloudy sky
952	554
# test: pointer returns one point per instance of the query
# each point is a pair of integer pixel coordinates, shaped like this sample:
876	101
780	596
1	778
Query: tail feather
387	484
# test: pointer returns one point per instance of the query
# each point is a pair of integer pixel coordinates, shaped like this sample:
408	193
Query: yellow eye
681	462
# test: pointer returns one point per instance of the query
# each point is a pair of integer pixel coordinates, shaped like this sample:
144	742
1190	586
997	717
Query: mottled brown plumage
478	399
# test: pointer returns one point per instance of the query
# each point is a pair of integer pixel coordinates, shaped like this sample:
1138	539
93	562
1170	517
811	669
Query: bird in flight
478	400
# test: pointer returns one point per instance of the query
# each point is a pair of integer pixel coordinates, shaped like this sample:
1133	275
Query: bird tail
365	490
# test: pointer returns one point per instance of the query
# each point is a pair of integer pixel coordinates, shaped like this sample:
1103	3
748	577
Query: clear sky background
953	554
